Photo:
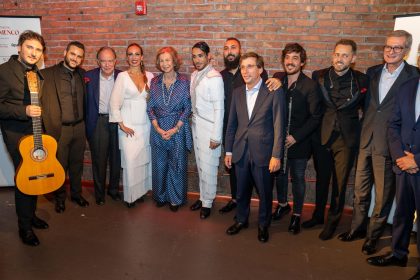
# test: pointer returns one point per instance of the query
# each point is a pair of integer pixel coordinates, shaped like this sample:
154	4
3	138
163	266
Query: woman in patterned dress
128	107
169	108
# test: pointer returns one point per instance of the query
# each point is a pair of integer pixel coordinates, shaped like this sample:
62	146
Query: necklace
167	99
351	83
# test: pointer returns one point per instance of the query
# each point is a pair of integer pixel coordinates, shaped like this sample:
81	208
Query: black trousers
323	167
25	204
248	174
407	202
377	170
104	148
70	153
342	158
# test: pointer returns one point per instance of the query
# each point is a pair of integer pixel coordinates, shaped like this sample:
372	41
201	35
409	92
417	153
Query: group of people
269	127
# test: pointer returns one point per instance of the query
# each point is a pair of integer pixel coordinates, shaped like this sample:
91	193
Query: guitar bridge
41	176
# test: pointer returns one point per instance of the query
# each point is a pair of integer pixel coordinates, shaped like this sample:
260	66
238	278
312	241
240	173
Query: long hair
142	68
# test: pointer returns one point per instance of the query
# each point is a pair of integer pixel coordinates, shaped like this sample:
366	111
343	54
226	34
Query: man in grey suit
254	138
374	163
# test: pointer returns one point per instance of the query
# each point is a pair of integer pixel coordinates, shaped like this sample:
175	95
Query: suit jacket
51	114
92	98
262	134
347	114
13	116
376	115
306	113
231	82
403	128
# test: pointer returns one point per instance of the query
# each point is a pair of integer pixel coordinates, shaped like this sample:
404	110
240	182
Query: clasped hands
407	163
166	134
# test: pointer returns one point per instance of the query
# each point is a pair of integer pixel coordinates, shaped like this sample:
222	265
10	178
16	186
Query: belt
72	123
103	115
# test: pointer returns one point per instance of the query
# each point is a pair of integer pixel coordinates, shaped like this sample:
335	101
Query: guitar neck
36	121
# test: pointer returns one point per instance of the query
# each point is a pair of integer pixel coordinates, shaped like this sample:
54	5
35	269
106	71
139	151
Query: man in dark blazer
343	92
16	114
101	134
404	145
374	164
63	112
254	138
303	117
232	79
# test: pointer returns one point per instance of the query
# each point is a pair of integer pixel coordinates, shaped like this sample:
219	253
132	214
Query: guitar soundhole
39	154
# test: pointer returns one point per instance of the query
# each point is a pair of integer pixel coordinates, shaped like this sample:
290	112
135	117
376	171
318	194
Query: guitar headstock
32	81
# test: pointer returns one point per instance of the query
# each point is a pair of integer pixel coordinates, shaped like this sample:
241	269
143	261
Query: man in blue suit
101	134
254	142
404	143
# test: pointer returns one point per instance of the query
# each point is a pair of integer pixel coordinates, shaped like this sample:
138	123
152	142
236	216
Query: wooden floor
113	242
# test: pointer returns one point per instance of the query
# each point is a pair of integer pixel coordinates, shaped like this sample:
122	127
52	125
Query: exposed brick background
264	26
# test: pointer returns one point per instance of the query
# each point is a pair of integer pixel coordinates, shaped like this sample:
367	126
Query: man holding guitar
15	120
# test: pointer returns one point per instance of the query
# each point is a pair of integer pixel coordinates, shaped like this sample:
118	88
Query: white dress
128	105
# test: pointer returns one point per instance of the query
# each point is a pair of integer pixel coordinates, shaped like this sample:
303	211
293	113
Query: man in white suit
207	97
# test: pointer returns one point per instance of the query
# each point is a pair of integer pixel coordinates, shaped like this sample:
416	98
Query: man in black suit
101	134
232	79
16	114
254	138
303	117
404	145
63	105
374	163
343	92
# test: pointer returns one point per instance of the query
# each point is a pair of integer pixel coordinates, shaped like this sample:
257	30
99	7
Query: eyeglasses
396	49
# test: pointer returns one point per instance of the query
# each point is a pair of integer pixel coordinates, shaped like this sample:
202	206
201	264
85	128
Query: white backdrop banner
10	29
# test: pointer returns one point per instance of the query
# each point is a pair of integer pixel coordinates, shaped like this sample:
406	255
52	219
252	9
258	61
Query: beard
68	63
231	64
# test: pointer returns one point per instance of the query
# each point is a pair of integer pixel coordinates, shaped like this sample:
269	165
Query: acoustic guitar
39	172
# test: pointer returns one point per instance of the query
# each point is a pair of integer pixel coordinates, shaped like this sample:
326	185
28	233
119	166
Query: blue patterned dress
169	157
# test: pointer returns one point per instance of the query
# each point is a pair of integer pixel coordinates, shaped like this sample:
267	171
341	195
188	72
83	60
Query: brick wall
264	26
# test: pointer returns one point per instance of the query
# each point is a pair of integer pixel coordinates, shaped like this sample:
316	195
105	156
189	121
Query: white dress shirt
251	97
105	90
387	80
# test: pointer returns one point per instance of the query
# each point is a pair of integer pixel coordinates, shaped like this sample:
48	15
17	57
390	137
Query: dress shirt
105	89
418	102
251	97
387	80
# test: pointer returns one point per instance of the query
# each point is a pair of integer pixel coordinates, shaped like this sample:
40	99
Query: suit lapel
401	79
262	95
96	85
375	86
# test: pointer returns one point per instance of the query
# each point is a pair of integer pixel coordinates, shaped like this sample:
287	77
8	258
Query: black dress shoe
327	232
174	208
387	260
352	235
228	207
312	222
415	276
39	223
369	247
196	205
80	201
160	204
115	197
236	228
140	199
280	212
100	201
130	204
294	226
205	213
60	206
28	237
263	234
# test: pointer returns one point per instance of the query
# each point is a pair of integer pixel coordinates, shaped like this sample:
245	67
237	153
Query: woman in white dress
128	109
